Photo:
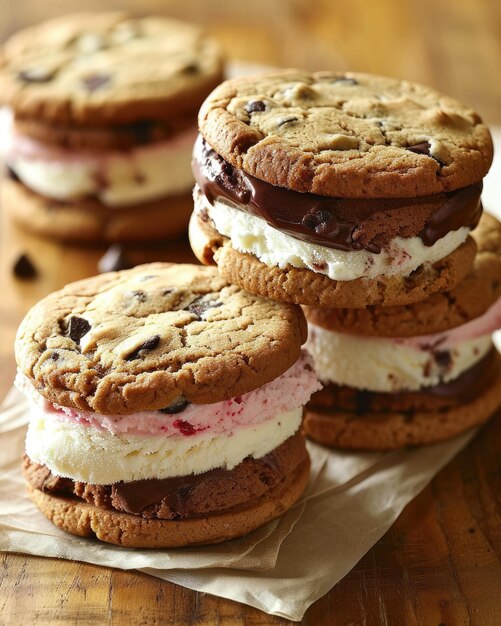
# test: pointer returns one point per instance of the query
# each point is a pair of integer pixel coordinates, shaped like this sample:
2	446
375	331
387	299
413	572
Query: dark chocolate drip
314	218
463	208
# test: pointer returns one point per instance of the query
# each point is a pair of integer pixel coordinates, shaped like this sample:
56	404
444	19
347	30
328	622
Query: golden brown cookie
439	312
388	430
88	220
107	68
139	339
346	135
104	110
303	286
86	520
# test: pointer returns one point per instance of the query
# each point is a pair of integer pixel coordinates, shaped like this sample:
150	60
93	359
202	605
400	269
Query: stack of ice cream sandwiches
166	402
103	122
355	196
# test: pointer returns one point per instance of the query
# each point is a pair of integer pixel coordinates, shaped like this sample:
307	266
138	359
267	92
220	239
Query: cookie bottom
391	430
86	520
88	220
302	286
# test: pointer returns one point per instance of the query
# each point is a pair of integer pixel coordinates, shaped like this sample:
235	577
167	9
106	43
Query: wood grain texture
441	561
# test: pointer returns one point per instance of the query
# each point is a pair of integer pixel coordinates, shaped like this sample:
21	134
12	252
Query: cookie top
144	338
346	135
94	68
440	311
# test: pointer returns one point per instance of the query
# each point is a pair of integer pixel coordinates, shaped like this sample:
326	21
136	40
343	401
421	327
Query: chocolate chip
177	406
255	106
443	358
191	68
345	80
363	401
166	292
11	174
420	148
316	219
149	344
24	268
114	260
54	356
93	82
199	306
142	131
230	179
36	75
287	120
77	328
139	295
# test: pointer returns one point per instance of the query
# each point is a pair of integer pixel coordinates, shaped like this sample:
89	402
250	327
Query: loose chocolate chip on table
77	328
255	106
24	268
177	406
149	344
95	81
114	260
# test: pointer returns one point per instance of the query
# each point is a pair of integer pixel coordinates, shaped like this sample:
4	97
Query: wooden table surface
441	561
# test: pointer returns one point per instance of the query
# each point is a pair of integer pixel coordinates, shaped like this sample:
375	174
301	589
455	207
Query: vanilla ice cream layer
87	454
383	365
117	179
274	248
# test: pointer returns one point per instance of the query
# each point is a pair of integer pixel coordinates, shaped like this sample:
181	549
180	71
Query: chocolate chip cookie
166	406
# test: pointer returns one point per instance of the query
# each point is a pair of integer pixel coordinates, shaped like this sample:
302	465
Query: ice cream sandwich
165	406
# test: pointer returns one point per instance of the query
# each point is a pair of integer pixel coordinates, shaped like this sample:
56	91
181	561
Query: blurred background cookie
104	108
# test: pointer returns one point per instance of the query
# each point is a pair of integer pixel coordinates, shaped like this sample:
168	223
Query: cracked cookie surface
346	134
144	338
108	67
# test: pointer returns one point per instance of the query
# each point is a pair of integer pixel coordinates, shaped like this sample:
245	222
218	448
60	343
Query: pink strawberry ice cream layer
489	322
288	392
115	178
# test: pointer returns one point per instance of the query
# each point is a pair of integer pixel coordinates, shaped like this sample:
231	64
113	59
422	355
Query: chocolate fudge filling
463	389
185	496
339	223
